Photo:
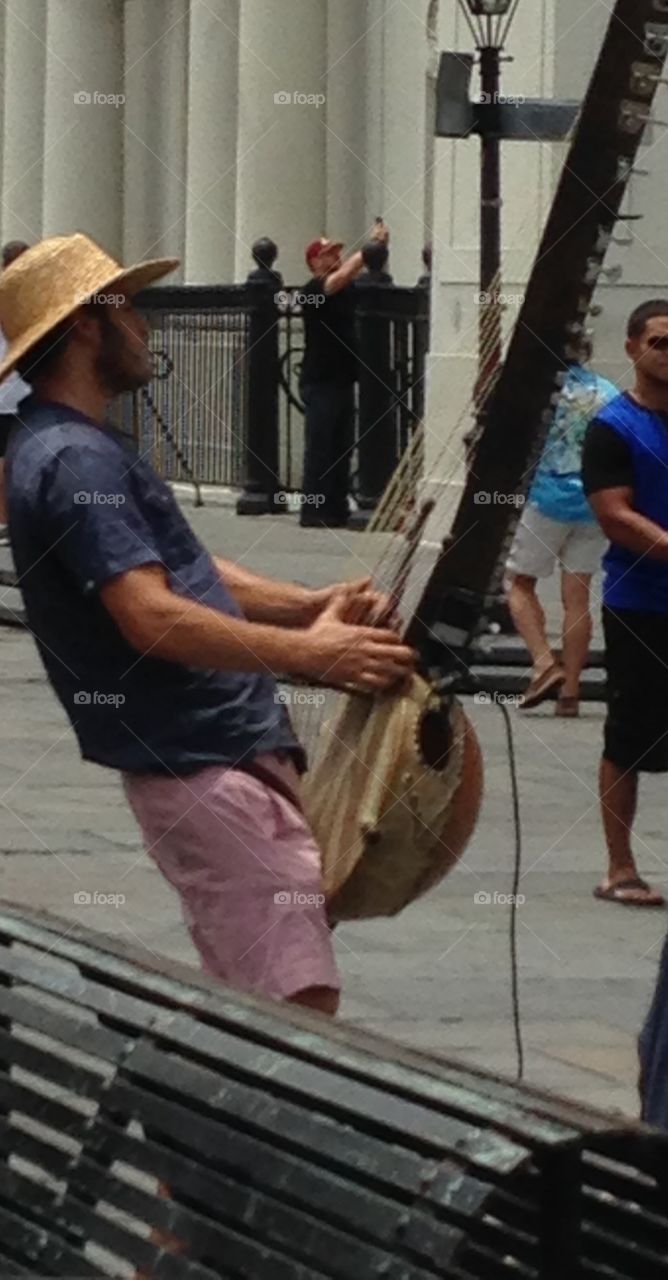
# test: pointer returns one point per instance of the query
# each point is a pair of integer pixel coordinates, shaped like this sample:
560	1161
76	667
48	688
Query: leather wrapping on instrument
377	809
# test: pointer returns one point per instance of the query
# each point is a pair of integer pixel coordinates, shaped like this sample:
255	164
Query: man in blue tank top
625	474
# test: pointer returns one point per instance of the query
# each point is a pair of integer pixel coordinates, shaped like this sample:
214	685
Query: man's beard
118	369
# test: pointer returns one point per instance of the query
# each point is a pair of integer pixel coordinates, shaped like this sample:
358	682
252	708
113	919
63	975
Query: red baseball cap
316	247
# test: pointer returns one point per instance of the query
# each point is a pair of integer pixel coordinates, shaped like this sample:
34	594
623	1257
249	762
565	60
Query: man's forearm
637	533
190	633
285	604
345	275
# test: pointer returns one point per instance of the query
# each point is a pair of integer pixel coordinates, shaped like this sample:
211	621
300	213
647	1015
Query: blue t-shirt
83	508
632	580
557	489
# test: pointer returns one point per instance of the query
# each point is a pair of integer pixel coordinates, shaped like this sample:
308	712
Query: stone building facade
190	127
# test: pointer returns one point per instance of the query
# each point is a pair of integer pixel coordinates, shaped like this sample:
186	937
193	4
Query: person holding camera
327	383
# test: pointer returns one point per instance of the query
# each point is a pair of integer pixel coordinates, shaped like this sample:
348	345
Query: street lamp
493	120
489	22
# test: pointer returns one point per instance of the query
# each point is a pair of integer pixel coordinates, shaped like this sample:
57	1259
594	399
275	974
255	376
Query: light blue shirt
557	489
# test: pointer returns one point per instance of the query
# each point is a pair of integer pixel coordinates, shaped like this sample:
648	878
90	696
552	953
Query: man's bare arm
157	622
347	272
285	604
626	527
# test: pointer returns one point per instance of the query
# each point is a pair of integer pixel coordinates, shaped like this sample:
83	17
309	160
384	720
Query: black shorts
636	729
7	421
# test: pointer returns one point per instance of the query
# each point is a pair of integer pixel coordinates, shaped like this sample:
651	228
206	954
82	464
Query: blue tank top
633	581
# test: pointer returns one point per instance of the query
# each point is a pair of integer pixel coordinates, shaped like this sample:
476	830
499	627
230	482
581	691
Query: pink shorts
247	870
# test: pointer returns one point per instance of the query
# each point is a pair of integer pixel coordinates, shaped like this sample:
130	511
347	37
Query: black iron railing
224	406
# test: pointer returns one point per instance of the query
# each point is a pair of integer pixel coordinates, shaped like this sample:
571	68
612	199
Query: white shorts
541	543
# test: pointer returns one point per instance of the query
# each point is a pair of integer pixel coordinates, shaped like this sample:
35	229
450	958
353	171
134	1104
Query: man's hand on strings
339	652
363	603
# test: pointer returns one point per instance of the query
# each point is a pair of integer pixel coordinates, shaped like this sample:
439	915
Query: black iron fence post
221	406
262	483
393	344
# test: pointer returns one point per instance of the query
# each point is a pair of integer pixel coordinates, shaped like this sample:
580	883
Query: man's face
124	361
327	261
649	352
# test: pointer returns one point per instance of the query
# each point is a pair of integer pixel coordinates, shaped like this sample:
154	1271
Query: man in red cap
328	379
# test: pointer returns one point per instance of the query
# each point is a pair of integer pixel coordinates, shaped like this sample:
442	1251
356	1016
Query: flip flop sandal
567	707
614	893
542	687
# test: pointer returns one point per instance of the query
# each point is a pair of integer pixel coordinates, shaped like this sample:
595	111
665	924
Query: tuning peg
633	116
644	79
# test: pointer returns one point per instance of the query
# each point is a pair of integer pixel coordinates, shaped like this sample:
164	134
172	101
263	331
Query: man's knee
323	999
521	582
576	587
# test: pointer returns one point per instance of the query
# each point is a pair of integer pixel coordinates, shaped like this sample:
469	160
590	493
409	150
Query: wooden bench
292	1149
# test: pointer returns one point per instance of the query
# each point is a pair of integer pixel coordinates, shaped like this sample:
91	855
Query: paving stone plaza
437	977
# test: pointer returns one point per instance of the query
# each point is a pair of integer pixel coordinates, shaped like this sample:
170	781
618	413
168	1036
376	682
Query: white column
405	56
375	48
83	119
347	24
23	119
212	141
282	144
156	86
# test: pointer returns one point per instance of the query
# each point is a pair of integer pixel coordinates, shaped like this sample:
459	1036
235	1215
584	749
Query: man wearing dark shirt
163	657
328	377
625	476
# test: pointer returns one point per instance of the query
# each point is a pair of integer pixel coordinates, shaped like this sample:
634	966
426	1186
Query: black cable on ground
517	870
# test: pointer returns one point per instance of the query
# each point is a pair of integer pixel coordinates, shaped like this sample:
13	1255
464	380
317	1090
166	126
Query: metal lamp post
493	120
489	22
530	120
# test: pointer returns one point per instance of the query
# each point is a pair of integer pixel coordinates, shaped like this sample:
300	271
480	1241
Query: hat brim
129	282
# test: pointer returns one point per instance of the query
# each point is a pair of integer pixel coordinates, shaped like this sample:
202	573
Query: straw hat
50	281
